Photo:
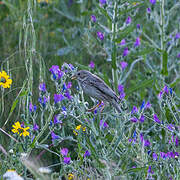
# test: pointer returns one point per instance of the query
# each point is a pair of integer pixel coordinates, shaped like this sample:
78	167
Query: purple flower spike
126	51
134	110
154	155
156	119
58	97
64	151
67	94
147	143
56	119
148	10
165	89
137	42
54	136
177	36
87	153
100	35
128	20
160	94
123	42
177	142
123	65
57	73
32	108
42	87
102	2
148	105
69	85
138	26
93	18
105	125
150	170
134	119
92	65
178	56
142	118
120	88
152	2
67	160
35	127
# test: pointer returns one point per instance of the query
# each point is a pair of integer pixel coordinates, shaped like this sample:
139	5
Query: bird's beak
73	77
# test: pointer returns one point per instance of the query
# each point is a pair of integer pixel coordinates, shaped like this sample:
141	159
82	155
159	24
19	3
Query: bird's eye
78	74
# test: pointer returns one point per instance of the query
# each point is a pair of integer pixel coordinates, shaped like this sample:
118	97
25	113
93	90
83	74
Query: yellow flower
40	1
20	130
70	176
5	82
78	127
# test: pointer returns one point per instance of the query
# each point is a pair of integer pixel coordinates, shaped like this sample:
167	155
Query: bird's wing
101	86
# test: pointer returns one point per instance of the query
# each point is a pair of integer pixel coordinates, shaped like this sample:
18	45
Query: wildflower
58	97
176	142
156	118
56	119
152	2
128	20
78	128
146	143
134	119
105	124
5	82
138	26
150	170
69	85
70	176
32	108
67	94
137	42
148	10
160	94
178	56
120	88
141	137
102	2
134	110
43	101
165	89
123	65
154	155
87	153
20	130
67	160
42	87
71	66
163	155
171	127
142	118
123	42
35	127
91	65
100	35
126	51
142	105
64	151
57	73
177	36
148	105
54	136
93	18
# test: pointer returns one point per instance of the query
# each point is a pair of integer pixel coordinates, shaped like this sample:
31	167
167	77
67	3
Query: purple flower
67	160
123	65
176	154
71	66
137	42
105	125
91	65
56	119
54	136
123	42
160	94
176	142
150	170
156	118
141	119
120	88
43	101
32	108
146	143
163	155
128	20
154	155
152	2
177	35
35	127
42	87
57	73
126	51
122	95
102	2
93	18
148	10
148	105
165	89
58	97
138	26
170	127
142	105
67	94
64	151
100	35
69	85
134	119
134	110
178	56
87	153
141	137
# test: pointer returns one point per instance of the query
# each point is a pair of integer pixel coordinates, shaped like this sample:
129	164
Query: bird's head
81	75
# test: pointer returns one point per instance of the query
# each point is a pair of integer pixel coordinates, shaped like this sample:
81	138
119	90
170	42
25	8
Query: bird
96	88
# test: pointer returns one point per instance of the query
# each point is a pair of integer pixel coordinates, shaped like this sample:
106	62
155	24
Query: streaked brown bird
95	87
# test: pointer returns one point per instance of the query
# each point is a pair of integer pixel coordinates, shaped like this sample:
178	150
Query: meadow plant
134	47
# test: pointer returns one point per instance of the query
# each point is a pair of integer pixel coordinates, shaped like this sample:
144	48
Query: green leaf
142	85
175	83
103	11
14	105
164	70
